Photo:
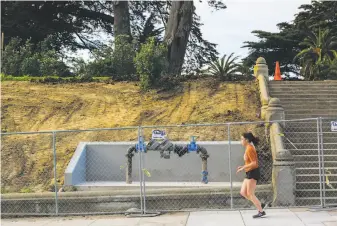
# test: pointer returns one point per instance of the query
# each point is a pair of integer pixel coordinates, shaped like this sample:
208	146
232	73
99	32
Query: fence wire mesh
27	171
179	176
93	179
302	139
105	171
264	190
328	129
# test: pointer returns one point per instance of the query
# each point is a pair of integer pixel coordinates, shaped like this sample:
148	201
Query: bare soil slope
27	160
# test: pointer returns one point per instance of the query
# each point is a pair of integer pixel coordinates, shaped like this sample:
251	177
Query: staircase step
273	91
315	170
304	128
310	152
312	185
311	139
321	101
313	134
313	178
310	146
303	164
302	105
307	96
313	158
311	111
309	115
303	84
300	88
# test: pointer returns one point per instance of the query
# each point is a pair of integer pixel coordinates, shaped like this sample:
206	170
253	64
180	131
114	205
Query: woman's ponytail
251	138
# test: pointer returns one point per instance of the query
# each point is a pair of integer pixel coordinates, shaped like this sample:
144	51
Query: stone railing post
274	111
283	174
261	74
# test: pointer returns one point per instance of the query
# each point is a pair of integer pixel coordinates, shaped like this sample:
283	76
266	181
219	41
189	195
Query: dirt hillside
27	160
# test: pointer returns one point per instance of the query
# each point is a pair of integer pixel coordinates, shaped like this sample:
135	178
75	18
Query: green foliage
224	68
122	59
284	45
320	53
52	79
32	60
15	78
101	65
69	22
114	60
74	25
279	46
26	190
151	63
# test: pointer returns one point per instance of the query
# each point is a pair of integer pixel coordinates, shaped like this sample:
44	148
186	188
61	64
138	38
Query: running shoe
260	214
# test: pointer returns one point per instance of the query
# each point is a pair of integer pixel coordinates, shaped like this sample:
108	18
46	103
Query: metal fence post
143	167
322	159
55	174
319	161
229	163
140	171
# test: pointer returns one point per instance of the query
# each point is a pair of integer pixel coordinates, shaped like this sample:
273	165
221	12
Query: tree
321	51
121	18
27	59
149	18
71	23
151	63
78	25
224	69
280	46
177	33
283	46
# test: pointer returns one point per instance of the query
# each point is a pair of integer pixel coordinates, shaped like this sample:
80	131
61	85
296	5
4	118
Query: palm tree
330	70
223	68
321	50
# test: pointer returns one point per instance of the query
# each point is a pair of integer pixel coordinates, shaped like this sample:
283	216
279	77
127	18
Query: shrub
31	66
26	59
122	59
151	64
224	68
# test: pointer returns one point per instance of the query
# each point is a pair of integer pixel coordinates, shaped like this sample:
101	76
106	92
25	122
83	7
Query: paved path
276	217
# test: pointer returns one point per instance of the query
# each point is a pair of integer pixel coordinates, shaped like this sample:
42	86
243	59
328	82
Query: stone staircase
305	99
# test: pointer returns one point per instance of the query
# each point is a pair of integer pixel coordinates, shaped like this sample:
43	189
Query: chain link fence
328	137
182	177
27	169
166	168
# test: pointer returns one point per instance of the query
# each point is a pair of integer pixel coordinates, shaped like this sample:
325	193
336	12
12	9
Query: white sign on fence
334	126
158	134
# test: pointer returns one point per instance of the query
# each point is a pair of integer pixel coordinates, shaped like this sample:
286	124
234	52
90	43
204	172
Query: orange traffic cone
277	75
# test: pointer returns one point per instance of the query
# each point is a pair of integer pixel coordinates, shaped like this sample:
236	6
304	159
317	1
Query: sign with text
158	134
334	126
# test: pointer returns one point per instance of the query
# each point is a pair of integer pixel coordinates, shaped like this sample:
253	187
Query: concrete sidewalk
275	217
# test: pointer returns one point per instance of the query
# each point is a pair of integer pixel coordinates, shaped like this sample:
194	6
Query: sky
231	27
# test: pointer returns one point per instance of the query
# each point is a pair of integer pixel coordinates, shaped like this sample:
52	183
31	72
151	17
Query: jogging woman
252	172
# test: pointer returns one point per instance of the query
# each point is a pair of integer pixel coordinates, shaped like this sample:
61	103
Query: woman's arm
253	164
253	160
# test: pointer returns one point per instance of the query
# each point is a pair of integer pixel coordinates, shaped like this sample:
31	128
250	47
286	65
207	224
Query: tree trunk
121	18
177	33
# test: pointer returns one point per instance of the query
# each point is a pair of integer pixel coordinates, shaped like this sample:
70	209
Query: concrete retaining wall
119	201
94	162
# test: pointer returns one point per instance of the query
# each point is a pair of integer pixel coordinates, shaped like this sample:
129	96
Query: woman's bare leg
243	191
251	186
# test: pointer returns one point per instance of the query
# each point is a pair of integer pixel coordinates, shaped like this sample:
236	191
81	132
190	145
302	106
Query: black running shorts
253	174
